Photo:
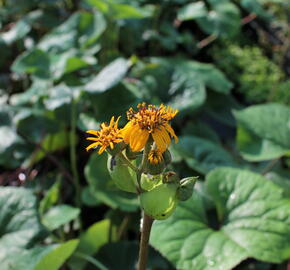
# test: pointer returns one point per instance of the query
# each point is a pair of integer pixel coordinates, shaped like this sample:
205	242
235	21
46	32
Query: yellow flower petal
157	137
92	145
171	131
141	141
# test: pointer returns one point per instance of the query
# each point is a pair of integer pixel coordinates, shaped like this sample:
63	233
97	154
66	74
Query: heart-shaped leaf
254	222
264	131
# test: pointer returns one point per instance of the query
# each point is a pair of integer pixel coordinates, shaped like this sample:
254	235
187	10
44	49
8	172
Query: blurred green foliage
68	65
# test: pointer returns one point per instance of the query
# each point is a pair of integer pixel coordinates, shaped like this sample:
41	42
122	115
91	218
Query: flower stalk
146	225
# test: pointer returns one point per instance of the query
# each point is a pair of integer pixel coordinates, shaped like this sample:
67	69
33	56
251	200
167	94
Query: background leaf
251	210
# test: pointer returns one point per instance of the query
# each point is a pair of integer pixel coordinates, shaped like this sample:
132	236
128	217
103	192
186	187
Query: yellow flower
155	156
107	136
149	121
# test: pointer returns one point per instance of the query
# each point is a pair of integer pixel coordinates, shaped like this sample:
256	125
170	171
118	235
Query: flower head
155	156
108	136
149	120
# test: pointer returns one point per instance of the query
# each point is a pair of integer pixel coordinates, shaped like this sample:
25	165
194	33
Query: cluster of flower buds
138	156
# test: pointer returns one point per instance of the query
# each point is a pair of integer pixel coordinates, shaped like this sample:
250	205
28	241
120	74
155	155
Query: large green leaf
19	224
254	223
91	240
103	188
201	154
183	84
263	132
56	258
223	20
60	215
192	11
35	62
80	30
109	76
119	11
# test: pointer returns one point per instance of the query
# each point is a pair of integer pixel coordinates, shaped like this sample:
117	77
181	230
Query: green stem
145	235
73	155
127	162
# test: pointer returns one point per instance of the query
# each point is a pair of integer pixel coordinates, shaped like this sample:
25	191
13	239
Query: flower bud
167	157
123	176
155	163
149	182
160	202
185	189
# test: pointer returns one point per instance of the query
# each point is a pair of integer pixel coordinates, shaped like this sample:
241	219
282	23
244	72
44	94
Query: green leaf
57	257
281	181
26	258
254	224
80	30
109	76
192	95
192	11
103	188
50	198
58	96
201	154
253	6
19	224
223	20
220	107
119	11
87	122
91	241
35	62
184	82
200	129
95	236
60	215
51	143
263	132
208	74
18	31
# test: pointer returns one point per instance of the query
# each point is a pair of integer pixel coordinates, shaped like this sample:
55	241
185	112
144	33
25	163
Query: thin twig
145	235
270	166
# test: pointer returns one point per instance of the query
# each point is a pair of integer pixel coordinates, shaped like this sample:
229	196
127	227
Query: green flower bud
160	202
123	176
167	157
185	189
149	182
119	147
155	163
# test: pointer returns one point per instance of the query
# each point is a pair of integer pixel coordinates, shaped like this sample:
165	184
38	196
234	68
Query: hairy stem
145	235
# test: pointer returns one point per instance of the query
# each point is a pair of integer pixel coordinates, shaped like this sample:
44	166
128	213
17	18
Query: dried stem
145	235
